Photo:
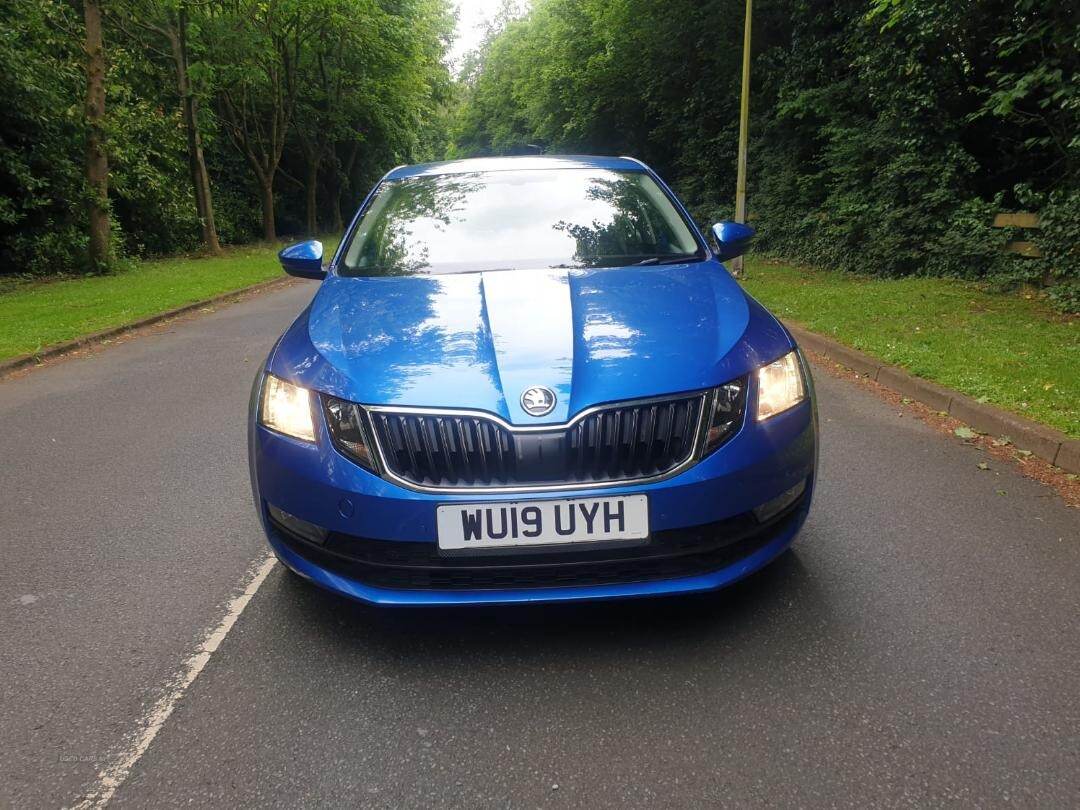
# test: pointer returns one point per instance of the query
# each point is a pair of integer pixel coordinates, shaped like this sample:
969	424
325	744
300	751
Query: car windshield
514	220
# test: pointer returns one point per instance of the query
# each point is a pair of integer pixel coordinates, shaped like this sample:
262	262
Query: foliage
41	148
1058	239
366	84
150	189
884	134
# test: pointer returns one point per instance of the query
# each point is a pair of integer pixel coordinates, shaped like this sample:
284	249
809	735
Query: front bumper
369	518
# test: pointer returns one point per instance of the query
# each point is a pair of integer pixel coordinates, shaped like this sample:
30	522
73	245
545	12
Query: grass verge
36	314
1007	350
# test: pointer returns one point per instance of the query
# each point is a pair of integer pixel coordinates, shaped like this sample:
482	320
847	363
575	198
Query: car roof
520	162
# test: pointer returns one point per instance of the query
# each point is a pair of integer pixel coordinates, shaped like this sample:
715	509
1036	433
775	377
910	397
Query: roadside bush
41	188
150	189
1058	239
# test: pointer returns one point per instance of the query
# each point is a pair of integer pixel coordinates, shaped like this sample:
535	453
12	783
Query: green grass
1007	350
34	315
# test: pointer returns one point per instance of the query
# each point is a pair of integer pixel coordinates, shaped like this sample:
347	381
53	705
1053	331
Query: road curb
57	349
1044	442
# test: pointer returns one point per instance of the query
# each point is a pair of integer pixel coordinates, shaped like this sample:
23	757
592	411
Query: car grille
667	554
616	443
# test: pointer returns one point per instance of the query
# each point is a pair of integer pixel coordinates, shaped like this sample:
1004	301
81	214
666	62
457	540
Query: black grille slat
422	428
650	435
687	433
678	432
496	446
463	440
595	446
630	463
446	446
579	437
615	443
616	435
670	429
608	442
411	445
481	452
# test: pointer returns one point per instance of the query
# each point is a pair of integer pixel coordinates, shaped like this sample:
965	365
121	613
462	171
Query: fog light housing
294	525
774	506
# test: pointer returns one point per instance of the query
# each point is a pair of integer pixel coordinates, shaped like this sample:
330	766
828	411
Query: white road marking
112	776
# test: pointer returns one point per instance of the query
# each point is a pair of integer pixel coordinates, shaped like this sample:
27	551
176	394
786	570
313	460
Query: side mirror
303	260
732	239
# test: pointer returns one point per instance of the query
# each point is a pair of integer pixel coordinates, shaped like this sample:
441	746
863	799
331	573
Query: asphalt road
920	646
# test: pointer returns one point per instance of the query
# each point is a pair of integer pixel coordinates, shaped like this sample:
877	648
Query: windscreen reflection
512	220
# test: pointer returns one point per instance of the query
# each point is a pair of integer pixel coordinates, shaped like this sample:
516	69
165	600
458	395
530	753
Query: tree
171	22
371	76
326	79
263	43
248	92
97	162
884	134
200	179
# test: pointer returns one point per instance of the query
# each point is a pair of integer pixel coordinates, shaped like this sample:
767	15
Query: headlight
286	408
780	386
346	423
727	403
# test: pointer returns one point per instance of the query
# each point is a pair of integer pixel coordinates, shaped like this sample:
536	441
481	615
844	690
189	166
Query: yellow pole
744	118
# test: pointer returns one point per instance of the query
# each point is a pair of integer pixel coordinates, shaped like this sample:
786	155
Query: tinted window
459	223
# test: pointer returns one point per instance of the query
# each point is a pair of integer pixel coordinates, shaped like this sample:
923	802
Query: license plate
541	523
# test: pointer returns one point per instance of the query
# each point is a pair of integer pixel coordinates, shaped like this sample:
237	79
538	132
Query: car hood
478	340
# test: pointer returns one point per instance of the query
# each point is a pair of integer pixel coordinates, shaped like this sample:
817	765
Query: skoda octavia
529	379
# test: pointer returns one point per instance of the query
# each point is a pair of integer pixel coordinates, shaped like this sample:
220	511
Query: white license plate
541	523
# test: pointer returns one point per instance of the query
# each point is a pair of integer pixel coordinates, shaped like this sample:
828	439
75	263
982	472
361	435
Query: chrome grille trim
482	443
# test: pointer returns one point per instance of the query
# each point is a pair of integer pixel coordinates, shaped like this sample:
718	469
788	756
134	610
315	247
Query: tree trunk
345	182
200	178
312	197
336	224
97	162
267	189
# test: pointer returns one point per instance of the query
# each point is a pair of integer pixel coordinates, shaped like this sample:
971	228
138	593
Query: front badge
538	400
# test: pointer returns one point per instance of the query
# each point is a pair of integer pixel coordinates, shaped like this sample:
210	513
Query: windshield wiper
676	259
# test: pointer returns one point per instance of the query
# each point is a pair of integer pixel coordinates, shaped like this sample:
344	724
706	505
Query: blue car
529	379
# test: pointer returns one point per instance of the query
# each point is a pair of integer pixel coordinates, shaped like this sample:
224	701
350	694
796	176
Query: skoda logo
538	400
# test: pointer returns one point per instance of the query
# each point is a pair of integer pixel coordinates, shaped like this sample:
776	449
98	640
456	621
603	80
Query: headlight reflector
346	423
780	386
727	409
286	408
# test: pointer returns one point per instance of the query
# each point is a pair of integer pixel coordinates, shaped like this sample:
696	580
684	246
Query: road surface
920	646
